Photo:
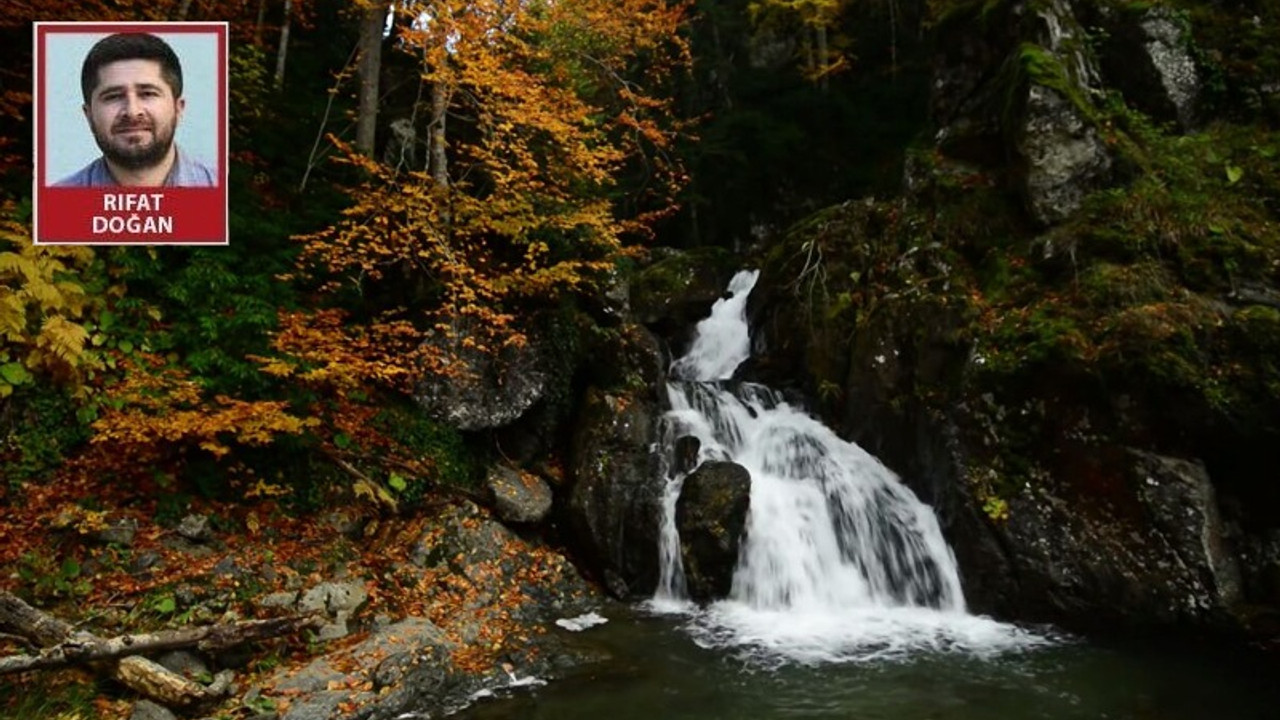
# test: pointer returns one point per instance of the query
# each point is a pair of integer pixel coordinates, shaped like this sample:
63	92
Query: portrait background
69	144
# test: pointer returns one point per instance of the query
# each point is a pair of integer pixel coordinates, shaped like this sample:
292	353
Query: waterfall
840	560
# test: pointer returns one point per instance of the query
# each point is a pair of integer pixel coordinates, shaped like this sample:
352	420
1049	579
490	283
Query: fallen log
204	637
120	657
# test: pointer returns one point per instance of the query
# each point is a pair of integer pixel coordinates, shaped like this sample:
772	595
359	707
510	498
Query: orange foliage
561	102
155	413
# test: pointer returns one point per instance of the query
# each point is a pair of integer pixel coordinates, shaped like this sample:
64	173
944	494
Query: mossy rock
680	287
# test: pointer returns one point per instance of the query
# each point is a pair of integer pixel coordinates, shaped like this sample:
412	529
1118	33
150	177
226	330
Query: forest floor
107	559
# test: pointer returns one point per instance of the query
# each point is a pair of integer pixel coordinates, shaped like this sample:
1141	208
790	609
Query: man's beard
140	156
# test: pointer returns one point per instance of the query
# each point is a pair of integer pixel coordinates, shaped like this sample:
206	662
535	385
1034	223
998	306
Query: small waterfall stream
840	561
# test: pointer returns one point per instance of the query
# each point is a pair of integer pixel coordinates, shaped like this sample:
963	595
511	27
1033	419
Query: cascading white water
840	560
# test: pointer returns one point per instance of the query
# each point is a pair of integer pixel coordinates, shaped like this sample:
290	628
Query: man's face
133	113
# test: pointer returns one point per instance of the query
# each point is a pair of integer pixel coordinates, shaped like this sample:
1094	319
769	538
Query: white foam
855	635
582	622
721	342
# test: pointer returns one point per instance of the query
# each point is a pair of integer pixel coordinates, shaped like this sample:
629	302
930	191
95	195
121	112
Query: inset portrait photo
131	133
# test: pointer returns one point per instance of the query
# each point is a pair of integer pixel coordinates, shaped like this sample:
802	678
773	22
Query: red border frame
63	216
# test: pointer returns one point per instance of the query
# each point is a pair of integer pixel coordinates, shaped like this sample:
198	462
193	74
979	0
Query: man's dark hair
130	46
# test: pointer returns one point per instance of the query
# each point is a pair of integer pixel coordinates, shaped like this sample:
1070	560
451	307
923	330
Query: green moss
941	13
679	271
443	447
42	425
1109	285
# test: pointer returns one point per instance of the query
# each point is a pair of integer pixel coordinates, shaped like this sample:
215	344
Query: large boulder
1022	77
483	389
711	517
615	505
1063	155
1146	53
1153	553
615	500
679	288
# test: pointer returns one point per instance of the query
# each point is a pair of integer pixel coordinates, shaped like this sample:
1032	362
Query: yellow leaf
63	338
218	449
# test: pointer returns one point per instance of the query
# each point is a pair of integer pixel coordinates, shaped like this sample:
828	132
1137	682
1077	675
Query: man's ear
181	105
85	109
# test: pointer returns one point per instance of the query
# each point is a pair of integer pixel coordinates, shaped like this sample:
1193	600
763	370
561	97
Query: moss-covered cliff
1066	332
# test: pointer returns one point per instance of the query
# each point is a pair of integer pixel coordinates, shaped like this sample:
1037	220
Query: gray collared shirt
186	172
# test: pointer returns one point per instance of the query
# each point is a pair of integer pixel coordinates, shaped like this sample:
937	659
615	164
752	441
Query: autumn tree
549	137
821	45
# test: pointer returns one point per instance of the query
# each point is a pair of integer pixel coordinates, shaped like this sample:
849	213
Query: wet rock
1183	507
518	496
615	505
687	449
711	516
679	289
1148	549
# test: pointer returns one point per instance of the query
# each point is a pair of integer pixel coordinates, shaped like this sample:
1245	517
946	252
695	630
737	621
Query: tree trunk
375	18
438	137
257	25
284	44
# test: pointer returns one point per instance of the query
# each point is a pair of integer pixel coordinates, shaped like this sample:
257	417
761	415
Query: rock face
1063	155
711	516
615	506
1065	159
676	291
1157	549
485	391
1043	372
1146	54
1022	78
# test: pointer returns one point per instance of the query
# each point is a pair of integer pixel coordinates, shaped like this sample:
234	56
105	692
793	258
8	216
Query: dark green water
657	672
